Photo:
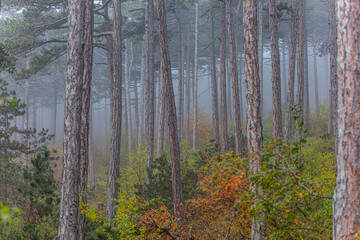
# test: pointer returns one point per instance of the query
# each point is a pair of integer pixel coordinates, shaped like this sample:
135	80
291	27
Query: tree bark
196	76
116	108
291	79
253	91
234	77
346	197
161	116
150	88
223	107
275	66
170	99
181	71
214	85
76	117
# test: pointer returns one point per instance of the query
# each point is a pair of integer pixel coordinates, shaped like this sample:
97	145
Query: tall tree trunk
316	87
253	91
80	35
214	85
229	94
54	117
127	96
170	99
196	75
188	80
142	92
34	113
181	71
291	79
223	107
260	53
284	80
136	104
150	88
306	74
116	107
333	68
300	63
275	66
234	77
91	147
346	197
161	116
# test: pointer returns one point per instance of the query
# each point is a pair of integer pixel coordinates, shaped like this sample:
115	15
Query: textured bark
223	107
275	67
150	88
253	91
77	88
333	68
234	77
196	76
161	115
300	63
291	79
170	100
214	85
260	53
142	93
127	95
346	197
188	80
181	72
116	108
316	85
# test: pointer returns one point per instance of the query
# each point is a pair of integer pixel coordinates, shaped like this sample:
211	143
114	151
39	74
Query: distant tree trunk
91	148
142	92
116	107
316	87
106	114
214	85
188	80
306	73
127	96
253	91
34	113
223	107
170	99
26	101
346	197
291	79
54	117
161	116
260	53
275	66
181	71
234	77
150	88
229	94
333	67
79	70
196	75
136	103
284	80
300	62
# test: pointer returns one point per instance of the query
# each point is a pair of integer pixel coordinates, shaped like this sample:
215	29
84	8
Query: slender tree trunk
253	91
127	96
170	99
181	71
116	107
234	77
188	80
291	79
239	48
150	88
54	117
26	101
161	116
284	80
80	35
275	66
214	85
91	148
300	63
142	92
306	74
346	197
196	76
223	107
316	87
34	113
136	104
229	94
260	53
106	113
333	68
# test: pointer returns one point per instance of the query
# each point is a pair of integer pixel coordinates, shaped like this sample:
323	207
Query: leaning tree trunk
181	72
196	76
214	87
223	107
234	77
78	76
275	66
116	108
170	99
346	197
150	88
333	68
291	79
253	91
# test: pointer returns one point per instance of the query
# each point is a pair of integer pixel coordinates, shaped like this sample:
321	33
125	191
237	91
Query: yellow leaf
300	195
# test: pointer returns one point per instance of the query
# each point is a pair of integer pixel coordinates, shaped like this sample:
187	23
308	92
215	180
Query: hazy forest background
179	119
